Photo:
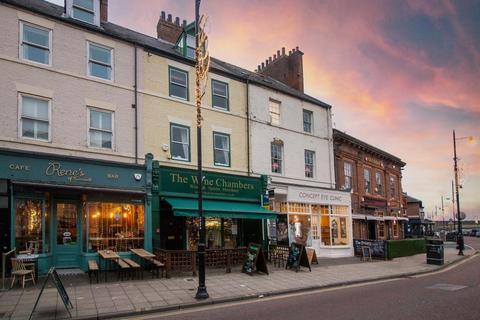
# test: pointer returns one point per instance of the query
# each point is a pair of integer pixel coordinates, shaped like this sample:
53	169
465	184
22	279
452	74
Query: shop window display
115	226
299	229
213	229
28	224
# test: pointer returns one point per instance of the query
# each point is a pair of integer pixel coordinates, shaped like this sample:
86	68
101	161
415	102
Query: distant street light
461	244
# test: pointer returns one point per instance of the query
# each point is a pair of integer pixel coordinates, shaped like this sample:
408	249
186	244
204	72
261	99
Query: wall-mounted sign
318	196
184	182
42	168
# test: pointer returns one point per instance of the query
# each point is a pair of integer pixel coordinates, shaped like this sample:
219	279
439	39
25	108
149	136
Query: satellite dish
462	215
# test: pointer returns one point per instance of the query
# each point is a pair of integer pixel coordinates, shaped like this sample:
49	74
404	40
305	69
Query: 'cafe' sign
318	196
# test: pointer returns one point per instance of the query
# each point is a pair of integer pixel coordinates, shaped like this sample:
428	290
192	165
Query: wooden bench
135	267
157	267
92	268
123	268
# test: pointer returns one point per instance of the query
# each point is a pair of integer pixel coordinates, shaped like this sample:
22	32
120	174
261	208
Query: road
450	294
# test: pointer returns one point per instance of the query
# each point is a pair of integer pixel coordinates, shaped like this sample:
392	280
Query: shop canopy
185	207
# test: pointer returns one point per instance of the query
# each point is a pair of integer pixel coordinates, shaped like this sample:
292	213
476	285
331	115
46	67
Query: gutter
248	128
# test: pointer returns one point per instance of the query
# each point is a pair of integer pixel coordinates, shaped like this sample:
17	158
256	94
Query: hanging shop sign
318	196
49	169
184	182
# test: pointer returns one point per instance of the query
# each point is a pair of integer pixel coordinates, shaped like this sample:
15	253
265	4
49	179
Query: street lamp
443	210
460	241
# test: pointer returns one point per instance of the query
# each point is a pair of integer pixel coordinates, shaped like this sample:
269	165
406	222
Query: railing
278	254
4	264
186	260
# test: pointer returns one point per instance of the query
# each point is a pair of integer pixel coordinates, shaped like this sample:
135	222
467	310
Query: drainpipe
330	141
135	86
248	127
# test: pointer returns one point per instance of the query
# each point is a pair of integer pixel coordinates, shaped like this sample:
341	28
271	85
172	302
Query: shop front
232	207
317	218
66	209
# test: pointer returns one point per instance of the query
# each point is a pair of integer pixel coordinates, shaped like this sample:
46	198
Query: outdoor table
107	256
144	255
30	258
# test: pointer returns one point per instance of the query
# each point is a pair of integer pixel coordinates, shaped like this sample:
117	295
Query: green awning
185	207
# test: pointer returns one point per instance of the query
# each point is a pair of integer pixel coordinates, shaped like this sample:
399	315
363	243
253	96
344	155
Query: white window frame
20	106
229	159
345	164
89	127
20	43
112	56
188	159
282	159
96	12
312	164
378	190
270	112
305	111
178	84
369	191
218	95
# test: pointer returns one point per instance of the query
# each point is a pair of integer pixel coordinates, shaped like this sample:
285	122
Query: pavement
127	298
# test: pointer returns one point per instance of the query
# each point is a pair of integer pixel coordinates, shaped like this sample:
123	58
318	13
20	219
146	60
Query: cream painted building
67	88
164	112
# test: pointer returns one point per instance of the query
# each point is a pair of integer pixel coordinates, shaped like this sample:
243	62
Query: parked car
473	232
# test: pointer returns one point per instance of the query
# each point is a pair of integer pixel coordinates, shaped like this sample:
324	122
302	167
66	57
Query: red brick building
374	178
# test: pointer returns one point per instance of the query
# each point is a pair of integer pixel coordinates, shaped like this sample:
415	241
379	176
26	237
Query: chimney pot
263	65
103	10
297	48
278	53
169	18
283	51
258	68
266	62
184	24
274	56
162	15
269	59
177	21
290	52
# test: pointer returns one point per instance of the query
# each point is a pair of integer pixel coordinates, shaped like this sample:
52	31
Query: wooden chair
20	272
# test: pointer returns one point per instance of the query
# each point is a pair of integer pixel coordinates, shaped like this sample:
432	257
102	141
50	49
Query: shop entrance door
68	231
371	230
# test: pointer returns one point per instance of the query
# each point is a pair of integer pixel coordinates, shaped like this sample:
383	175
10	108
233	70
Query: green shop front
66	209
232	207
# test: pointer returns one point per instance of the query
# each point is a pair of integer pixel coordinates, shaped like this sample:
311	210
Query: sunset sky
399	74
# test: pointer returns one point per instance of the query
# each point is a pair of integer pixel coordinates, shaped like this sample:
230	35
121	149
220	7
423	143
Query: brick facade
287	68
377	206
169	30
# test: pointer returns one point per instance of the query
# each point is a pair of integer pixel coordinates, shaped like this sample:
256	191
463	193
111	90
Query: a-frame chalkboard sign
312	256
52	274
255	260
297	256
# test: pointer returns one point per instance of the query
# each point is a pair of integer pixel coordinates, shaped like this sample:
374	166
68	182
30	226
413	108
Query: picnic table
108	256
142	253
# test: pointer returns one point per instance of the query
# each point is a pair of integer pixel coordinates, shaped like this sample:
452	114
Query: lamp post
443	210
201	72
461	245
453	208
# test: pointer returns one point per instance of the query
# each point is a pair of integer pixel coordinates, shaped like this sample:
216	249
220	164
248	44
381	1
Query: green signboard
184	182
42	168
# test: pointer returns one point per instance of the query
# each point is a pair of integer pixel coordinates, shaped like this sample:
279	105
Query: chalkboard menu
297	256
255	260
52	274
378	248
312	256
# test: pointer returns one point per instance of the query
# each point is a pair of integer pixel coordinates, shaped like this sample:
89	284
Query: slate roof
337	134
161	47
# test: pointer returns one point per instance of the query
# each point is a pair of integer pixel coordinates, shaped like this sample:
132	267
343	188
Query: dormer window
85	10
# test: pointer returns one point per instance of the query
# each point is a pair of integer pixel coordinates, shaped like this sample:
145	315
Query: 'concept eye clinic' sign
318	196
215	185
68	171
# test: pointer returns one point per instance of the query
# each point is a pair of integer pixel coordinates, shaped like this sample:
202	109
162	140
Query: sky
400	75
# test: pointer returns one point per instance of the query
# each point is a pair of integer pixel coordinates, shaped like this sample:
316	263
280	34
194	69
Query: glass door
67	248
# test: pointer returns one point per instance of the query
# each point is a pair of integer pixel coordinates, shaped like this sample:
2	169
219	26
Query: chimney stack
169	30
103	10
285	68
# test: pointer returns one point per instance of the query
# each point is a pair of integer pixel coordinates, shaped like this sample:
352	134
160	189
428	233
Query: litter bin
435	252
